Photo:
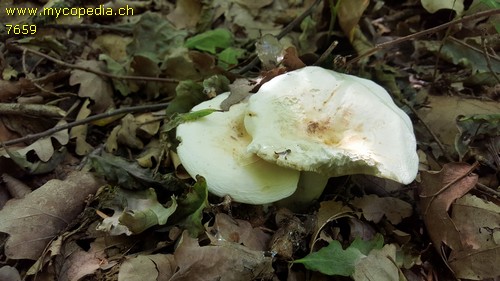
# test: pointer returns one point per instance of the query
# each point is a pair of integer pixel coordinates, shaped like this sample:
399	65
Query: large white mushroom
314	122
332	124
215	147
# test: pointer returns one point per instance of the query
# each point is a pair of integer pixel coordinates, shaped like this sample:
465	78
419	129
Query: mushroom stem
309	189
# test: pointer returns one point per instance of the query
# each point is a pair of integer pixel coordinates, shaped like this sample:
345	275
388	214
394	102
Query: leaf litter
157	222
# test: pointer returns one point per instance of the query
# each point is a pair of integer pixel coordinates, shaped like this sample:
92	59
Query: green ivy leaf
230	56
334	260
188	94
211	40
190	210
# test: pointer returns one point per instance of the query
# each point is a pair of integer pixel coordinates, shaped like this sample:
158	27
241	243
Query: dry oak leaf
374	208
223	261
438	190
32	222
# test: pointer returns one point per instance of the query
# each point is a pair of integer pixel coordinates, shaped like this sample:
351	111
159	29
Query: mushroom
215	147
309	124
332	124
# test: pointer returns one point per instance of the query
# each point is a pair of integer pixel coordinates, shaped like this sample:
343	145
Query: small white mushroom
215	147
334	124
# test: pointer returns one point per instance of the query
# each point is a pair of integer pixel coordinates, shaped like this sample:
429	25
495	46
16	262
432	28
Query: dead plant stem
434	136
125	110
488	59
435	29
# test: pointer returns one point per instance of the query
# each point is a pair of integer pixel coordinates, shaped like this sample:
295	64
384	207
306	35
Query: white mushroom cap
215	147
318	120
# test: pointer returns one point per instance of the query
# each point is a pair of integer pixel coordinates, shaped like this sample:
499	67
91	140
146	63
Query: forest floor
92	186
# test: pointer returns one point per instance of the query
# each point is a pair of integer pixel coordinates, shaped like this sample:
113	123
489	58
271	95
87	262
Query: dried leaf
239	231
9	273
186	14
78	263
34	220
438	191
93	86
349	14
329	211
80	132
147	267
240	90
374	208
475	219
378	265
225	261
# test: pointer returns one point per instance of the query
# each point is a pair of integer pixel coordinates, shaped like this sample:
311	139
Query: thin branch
488	59
125	110
488	190
97	72
326	53
435	29
434	136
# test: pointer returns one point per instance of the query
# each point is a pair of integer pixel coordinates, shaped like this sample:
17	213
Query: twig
326	53
282	34
434	136
488	190
381	46
101	73
39	110
125	110
488	59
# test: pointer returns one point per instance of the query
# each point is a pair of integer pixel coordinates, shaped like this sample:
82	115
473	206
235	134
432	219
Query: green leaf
188	94
230	56
190	211
178	119
211	40
334	260
134	211
147	212
494	4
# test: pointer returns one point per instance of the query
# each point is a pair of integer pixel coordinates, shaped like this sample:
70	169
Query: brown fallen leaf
36	219
374	208
478	222
438	191
77	263
157	267
92	85
239	231
222	261
291	59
